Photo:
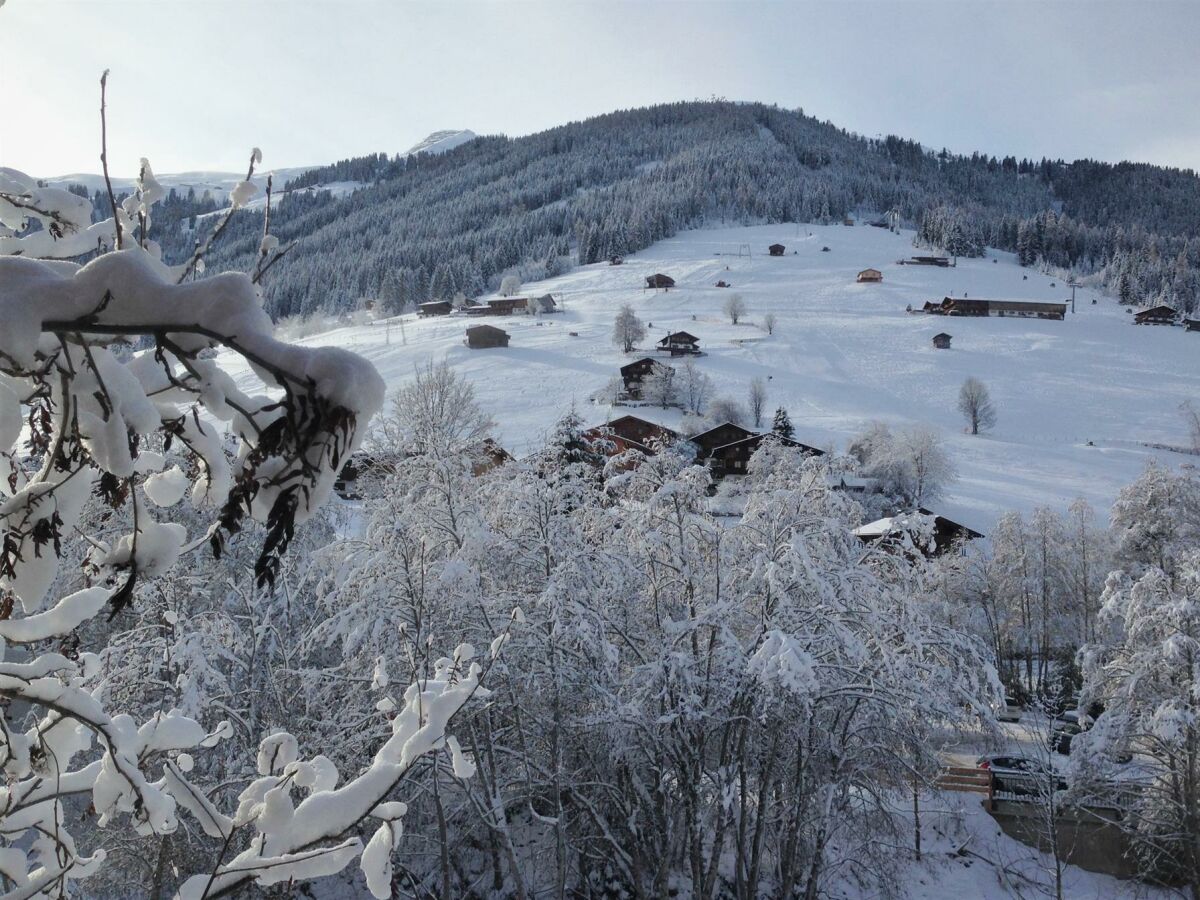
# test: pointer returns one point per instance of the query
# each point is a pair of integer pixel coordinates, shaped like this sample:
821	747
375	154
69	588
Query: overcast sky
195	84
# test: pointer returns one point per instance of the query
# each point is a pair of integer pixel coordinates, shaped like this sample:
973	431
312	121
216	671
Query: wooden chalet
543	304
680	343
947	534
633	374
628	433
1022	309
725	433
941	341
776	249
660	282
851	484
869	276
481	337
734	457
435	308
506	306
631	433
1156	315
489	455
1191	324
848	221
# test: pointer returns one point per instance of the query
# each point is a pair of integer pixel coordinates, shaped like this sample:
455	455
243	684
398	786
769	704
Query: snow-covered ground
843	354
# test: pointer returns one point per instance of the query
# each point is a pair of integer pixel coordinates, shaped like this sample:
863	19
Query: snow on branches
107	378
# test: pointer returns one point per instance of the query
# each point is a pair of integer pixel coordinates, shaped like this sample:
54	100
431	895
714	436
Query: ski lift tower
1072	284
743	250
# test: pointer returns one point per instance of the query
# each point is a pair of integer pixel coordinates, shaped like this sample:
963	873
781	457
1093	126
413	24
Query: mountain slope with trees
435	226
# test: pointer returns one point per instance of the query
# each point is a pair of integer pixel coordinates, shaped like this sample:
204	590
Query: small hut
480	337
869	276
941	341
1191	324
776	249
660	281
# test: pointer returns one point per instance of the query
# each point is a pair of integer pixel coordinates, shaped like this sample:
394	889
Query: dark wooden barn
941	341
484	336
660	282
776	249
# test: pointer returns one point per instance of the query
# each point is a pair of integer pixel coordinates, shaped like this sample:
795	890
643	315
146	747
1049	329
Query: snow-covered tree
975	404
695	388
909	465
97	412
1147	675
726	409
782	424
628	329
757	400
510	285
660	387
769	322
1156	519
434	413
734	307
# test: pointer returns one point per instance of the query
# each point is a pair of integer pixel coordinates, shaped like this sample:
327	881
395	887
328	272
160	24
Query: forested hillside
433	226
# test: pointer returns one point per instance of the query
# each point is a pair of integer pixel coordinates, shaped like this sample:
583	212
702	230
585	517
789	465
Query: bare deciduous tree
735	307
758	400
975	403
435	413
627	329
695	387
769	323
726	409
1191	415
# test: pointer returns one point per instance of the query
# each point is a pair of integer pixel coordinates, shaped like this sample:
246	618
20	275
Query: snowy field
844	354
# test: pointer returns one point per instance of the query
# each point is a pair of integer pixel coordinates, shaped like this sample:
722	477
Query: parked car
1010	711
1070	723
1019	774
1066	725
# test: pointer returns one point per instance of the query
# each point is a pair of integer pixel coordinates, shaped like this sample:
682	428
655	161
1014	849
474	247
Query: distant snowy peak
441	141
217	184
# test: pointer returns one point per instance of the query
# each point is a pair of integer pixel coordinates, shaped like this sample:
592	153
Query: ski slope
842	355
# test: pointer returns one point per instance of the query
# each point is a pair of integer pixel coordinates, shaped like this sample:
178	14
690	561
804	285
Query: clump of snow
167	488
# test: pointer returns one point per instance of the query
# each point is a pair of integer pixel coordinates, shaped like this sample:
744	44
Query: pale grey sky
196	83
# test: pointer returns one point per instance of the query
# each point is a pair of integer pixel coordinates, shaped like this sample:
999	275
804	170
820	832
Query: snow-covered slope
843	354
441	141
